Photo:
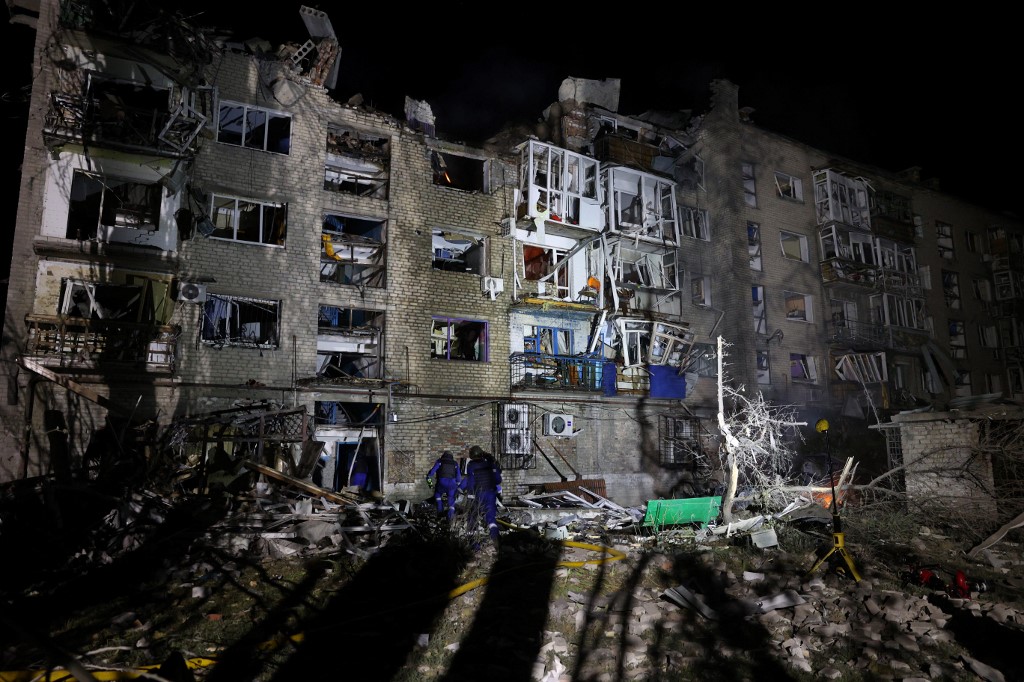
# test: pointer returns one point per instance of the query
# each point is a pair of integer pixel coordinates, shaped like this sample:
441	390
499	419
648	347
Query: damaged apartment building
207	238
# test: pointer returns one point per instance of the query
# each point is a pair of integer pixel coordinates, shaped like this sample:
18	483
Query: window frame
208	338
808	369
695	223
749	179
807	307
232	205
760	309
248	110
754	246
802	243
700	290
450	323
533	342
788	187
944	240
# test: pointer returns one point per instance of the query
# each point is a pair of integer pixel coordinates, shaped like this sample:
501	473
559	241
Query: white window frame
754	245
248	111
757	298
749	184
801	244
788	186
700	290
807	368
695	223
226	211
793	310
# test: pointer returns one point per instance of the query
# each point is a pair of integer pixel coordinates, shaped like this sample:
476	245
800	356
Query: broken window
844	313
135	299
545	264
458	251
799	307
702	360
974	242
352	251
982	289
357	162
458	339
951	289
749	184
890	309
681	441
794	246
643	269
700	290
641	204
754	245
1007	285
957	340
111	202
560	185
635	339
802	367
547	340
459	172
695	223
864	368
988	336
348	343
962	383
237	321
788	186
244	125
670	343
760	321
247	220
837	197
764	375
944	239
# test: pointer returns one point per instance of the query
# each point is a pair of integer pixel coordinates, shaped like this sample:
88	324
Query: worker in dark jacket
445	476
483	479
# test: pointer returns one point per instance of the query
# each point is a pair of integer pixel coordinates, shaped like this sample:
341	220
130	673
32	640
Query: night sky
885	95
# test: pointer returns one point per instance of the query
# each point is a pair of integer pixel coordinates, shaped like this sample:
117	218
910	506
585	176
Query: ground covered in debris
270	587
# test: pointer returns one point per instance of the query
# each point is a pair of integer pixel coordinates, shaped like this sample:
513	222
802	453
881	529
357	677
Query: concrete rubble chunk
982	670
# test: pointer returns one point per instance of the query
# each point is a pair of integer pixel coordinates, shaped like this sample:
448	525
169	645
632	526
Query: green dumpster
692	510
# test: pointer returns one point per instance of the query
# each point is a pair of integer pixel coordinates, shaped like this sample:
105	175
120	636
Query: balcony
105	346
868	335
540	372
117	116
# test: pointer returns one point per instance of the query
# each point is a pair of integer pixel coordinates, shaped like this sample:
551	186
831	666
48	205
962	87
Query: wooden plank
304	486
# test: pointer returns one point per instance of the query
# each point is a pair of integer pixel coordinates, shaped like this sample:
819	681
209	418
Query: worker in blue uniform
445	476
483	479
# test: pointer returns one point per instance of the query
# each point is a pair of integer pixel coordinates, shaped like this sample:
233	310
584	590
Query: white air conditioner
492	286
556	424
516	442
515	416
190	292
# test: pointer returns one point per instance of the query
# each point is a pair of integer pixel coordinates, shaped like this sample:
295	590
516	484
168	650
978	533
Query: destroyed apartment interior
254	311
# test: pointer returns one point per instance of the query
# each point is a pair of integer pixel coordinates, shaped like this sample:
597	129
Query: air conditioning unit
516	442
556	424
515	416
190	292
492	286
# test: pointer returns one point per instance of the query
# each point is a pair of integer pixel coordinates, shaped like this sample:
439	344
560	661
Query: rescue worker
483	479
449	476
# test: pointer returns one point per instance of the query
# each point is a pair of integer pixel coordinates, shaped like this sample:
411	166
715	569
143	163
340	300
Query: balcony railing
540	372
101	345
871	335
